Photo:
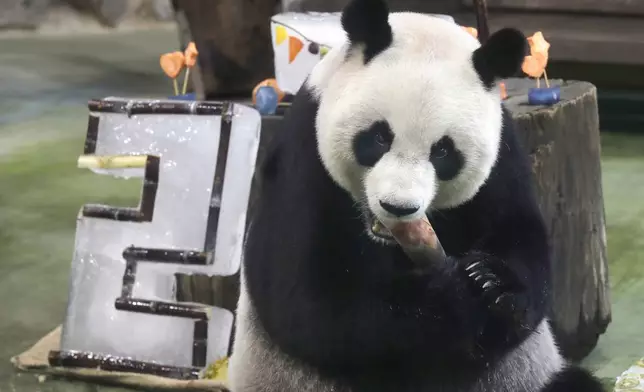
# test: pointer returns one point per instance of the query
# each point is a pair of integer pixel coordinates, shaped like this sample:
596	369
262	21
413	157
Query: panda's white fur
451	102
430	60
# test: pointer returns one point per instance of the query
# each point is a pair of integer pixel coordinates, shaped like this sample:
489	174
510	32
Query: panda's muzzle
398	211
395	212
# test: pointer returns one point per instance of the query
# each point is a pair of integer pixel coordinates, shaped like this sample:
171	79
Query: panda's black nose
398	210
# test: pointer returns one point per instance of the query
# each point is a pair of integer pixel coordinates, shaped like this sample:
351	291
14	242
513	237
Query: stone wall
61	15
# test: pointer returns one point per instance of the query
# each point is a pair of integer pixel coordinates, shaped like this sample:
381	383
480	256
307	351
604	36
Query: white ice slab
187	146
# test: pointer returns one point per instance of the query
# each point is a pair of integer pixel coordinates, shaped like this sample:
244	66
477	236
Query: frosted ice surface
125	173
319	27
187	146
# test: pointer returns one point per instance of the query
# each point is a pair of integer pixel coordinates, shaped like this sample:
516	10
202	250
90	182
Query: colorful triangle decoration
294	48
280	34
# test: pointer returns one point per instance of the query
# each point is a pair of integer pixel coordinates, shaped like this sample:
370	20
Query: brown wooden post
564	145
234	42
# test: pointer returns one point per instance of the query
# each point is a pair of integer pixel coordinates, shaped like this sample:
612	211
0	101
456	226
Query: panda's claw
473	265
490	278
485	277
490	284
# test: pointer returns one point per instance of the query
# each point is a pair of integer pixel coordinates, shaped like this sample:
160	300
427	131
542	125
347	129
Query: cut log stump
234	42
564	145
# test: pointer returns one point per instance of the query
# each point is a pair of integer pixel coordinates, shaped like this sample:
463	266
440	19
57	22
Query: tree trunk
564	146
234	42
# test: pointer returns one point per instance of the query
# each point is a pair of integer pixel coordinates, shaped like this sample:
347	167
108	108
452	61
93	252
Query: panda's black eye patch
447	160
372	143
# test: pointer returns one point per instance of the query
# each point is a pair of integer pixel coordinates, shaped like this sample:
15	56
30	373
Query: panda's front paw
499	287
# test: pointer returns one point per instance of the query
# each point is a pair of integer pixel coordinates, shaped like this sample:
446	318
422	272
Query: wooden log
564	145
234	42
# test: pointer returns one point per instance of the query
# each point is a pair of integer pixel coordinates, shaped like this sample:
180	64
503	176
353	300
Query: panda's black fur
326	299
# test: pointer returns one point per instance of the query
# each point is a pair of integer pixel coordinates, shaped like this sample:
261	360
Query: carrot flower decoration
535	64
172	64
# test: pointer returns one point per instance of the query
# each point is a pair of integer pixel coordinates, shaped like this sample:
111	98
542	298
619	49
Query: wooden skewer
190	55
545	76
482	24
112	161
176	86
185	81
172	63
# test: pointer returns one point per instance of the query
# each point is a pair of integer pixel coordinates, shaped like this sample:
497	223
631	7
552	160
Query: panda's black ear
501	56
366	22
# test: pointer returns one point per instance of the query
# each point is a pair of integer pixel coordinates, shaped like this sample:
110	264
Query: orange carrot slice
172	63
504	91
534	65
191	54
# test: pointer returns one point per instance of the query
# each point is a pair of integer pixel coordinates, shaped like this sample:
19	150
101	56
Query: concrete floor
44	86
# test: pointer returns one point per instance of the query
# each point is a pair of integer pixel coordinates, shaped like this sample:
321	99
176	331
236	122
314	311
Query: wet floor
44	86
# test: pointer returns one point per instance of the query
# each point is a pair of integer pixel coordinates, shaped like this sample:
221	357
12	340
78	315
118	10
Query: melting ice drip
122	299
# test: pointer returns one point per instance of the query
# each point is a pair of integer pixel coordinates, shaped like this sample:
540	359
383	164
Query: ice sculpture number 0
197	160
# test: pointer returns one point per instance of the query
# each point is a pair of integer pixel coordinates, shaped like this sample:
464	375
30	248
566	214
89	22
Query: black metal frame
133	255
145	211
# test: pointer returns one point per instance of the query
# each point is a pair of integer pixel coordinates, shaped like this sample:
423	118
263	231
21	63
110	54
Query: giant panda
404	119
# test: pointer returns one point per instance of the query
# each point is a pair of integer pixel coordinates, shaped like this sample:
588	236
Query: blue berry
544	96
266	100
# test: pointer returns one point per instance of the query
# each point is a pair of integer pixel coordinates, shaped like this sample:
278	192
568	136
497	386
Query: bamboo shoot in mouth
418	240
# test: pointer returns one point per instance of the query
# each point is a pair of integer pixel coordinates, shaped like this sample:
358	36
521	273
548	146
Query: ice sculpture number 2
197	160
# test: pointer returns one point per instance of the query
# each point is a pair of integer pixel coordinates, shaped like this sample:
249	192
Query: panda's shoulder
511	181
293	137
513	160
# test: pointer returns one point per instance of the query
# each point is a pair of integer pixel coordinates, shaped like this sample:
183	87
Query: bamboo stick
112	161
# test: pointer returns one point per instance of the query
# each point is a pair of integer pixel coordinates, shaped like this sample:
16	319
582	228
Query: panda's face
414	128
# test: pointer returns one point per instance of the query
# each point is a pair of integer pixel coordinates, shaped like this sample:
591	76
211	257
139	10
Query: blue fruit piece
266	100
183	97
544	96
